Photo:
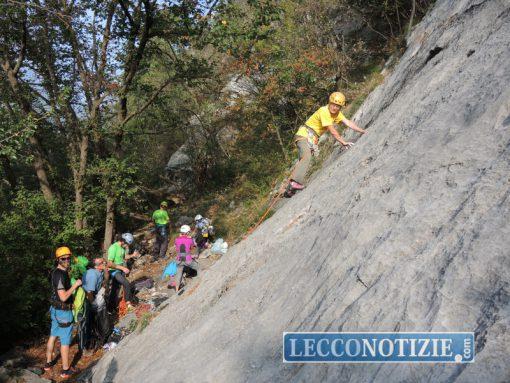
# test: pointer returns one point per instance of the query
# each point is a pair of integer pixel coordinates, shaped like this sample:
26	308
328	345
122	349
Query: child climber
183	246
326	118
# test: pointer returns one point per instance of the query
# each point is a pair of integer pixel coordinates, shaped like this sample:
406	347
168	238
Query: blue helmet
128	238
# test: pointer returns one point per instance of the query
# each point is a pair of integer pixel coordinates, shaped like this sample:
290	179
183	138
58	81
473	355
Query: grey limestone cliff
408	230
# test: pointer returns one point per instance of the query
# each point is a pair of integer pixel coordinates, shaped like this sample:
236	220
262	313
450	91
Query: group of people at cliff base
65	291
188	244
83	299
202	233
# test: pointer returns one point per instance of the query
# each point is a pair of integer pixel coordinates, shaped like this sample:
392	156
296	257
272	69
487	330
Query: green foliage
14	134
30	231
237	27
116	177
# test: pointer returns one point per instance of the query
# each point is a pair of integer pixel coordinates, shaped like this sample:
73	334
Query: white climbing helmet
128	238
185	229
198	217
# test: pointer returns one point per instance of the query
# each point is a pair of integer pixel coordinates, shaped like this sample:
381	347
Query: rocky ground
24	363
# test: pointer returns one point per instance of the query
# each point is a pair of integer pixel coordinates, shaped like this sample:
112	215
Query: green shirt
116	254
161	217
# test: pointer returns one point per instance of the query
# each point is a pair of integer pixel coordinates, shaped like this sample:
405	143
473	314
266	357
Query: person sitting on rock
204	232
161	221
326	118
184	245
117	256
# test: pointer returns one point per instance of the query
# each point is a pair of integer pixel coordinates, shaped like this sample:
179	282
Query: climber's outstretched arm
351	124
338	137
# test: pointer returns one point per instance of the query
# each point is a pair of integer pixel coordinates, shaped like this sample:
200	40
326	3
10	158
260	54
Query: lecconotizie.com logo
378	347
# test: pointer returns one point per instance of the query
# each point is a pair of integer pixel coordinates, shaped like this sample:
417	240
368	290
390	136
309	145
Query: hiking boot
49	365
66	374
296	185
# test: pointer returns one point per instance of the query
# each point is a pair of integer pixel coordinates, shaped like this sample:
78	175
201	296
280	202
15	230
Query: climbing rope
275	199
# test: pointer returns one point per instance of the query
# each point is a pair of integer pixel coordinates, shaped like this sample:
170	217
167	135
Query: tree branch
23	48
45	9
151	99
144	38
104	49
126	13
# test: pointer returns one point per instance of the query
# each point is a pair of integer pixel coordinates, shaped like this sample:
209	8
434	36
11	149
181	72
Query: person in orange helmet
325	119
61	311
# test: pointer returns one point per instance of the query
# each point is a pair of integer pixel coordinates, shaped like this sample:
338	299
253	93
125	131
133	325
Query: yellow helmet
337	98
61	251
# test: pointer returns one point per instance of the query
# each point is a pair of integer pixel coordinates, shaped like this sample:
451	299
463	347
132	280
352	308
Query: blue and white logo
378	347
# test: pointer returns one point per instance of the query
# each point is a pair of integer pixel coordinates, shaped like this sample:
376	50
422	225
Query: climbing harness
313	141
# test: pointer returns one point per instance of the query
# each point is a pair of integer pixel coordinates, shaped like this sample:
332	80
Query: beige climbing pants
305	156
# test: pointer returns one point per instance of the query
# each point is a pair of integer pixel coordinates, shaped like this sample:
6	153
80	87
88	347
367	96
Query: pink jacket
183	246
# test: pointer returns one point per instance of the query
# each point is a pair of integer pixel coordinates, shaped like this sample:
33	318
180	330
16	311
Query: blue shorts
62	317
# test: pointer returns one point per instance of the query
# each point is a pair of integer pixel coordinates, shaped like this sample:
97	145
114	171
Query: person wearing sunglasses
61	311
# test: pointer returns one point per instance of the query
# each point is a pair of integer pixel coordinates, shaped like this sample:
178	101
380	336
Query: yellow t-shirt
321	119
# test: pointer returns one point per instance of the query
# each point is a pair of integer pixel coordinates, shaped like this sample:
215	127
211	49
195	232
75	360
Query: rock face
179	167
409	230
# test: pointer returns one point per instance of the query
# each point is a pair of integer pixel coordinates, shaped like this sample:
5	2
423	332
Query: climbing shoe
292	188
296	185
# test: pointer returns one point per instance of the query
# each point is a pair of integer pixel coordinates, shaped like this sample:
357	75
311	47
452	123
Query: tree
72	67
14	25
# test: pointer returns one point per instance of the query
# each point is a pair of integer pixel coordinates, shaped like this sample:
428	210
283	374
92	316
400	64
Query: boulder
20	375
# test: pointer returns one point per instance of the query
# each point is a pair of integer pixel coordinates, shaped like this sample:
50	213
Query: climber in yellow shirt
307	137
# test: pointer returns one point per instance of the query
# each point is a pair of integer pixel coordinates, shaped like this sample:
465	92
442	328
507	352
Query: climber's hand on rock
348	144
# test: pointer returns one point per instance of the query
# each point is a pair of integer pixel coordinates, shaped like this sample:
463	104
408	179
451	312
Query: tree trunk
110	223
26	108
79	182
134	55
40	171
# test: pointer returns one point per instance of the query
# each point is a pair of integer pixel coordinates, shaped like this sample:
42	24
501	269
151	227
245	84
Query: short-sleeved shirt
320	120
116	254
92	280
161	217
60	281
